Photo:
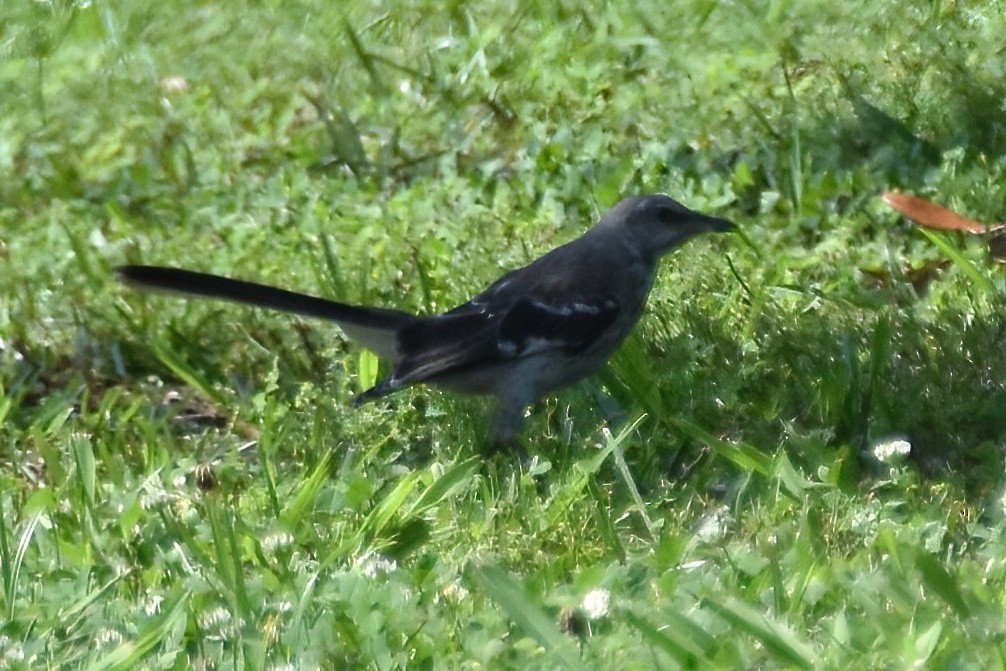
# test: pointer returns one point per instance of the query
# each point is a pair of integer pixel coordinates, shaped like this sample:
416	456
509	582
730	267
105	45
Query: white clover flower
595	604
714	525
1002	501
153	497
455	592
153	606
891	450
106	638
215	619
11	652
174	84
276	541
374	565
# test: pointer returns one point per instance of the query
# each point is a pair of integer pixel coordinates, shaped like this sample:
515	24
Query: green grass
185	483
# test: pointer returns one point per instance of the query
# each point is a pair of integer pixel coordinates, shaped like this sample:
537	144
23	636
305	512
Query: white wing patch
530	326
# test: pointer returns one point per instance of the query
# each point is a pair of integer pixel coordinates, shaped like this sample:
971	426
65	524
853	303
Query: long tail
375	328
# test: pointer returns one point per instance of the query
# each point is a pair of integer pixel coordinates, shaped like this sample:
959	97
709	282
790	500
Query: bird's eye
666	214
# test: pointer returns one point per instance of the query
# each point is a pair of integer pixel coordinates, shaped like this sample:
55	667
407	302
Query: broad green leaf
937	579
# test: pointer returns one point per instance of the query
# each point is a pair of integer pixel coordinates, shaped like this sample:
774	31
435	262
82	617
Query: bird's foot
508	447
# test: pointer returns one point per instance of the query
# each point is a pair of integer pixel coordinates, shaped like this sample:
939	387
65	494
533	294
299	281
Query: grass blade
228	559
681	648
391	504
128	654
11	569
970	269
777	638
745	456
529	618
616	444
84	456
294	512
446	486
177	365
76	611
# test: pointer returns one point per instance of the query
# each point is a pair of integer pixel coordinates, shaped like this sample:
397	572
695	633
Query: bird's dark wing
479	335
532	326
562	301
438	344
433	346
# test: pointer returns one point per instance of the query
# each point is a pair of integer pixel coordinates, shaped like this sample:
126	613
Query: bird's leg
508	448
507	423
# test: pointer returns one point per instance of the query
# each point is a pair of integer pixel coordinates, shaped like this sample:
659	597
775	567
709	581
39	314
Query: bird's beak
702	223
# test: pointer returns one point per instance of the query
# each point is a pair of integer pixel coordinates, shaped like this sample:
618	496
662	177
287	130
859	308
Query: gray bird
536	329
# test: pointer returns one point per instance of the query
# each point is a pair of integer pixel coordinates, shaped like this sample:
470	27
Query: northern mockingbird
536	329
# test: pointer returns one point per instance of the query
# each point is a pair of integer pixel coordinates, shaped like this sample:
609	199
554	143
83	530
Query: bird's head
656	224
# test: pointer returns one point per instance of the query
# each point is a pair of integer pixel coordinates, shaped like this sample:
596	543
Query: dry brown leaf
929	214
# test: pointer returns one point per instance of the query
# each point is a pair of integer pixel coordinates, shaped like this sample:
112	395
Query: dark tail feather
382	388
214	286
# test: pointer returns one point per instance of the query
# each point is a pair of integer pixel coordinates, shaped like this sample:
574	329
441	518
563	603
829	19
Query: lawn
796	461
